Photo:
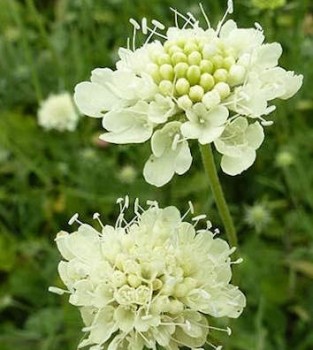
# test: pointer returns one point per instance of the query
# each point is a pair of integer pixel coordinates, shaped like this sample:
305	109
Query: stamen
230	6
205	16
230	10
192	17
158	24
57	290
144	26
199	217
134	23
187	20
216	232
96	216
73	219
192	210
258	26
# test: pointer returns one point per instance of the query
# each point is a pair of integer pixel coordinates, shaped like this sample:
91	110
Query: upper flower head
58	112
201	80
154	280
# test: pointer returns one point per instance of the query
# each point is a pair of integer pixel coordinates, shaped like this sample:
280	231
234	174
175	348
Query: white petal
93	99
217	116
268	55
293	84
255	135
210	134
101	76
184	159
191	130
158	171
236	165
227	28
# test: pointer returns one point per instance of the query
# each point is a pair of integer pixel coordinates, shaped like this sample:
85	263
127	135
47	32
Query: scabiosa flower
193	83
58	112
153	281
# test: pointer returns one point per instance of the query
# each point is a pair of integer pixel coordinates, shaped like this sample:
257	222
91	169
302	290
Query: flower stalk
210	169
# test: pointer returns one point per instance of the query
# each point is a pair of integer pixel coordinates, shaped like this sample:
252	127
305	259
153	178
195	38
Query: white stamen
144	27
199	217
57	290
96	216
267	122
205	16
158	24
258	26
134	23
73	219
192	209
230	6
192	17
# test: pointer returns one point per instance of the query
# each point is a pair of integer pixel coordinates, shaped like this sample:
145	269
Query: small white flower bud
236	74
228	62
174	49
166	87
196	93
208	51
184	102
211	99
223	89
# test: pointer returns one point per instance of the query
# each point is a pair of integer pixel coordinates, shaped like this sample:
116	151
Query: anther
144	27
73	219
158	24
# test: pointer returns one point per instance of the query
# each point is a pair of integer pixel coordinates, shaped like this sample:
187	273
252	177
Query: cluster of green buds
195	70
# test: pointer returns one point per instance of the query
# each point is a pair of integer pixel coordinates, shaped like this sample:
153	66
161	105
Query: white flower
203	78
154	281
58	112
171	155
238	144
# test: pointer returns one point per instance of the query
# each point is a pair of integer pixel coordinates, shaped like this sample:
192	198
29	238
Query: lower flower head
155	280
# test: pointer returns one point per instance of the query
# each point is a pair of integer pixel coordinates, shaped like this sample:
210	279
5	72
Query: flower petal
93	99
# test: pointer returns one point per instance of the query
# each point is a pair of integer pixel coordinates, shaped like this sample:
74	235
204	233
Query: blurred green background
47	46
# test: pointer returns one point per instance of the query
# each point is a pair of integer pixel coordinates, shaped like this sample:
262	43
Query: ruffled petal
236	165
93	99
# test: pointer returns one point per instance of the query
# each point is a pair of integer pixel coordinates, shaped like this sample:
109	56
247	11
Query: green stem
210	168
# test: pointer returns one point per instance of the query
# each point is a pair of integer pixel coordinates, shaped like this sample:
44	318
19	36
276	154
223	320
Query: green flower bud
193	74
194	58
220	74
207	81
179	57
181	69
217	60
182	86
167	72
196	93
184	102
163	59
223	89
206	66
166	87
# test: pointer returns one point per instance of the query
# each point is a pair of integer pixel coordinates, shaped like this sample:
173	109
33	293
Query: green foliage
49	46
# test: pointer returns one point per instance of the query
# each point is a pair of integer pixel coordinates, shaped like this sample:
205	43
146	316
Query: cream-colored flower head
58	112
152	281
193	83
